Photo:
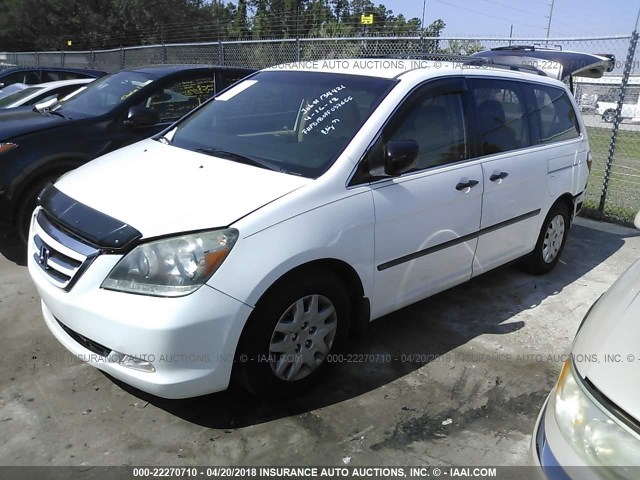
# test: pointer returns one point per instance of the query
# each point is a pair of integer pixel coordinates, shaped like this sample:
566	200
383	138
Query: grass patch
623	193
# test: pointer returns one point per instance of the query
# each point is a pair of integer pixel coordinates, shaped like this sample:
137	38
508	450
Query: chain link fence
610	105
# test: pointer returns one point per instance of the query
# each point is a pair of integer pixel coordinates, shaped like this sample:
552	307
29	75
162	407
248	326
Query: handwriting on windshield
320	109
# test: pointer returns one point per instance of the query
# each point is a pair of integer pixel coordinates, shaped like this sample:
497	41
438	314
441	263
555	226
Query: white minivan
251	238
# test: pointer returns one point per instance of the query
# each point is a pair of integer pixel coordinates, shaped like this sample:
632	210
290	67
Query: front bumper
190	340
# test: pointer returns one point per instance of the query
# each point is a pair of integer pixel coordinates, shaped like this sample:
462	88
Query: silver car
589	426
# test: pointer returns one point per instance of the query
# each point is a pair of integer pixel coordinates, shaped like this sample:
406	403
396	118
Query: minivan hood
23	120
606	348
161	189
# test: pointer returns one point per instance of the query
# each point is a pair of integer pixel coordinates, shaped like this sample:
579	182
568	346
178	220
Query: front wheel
551	241
286	342
28	203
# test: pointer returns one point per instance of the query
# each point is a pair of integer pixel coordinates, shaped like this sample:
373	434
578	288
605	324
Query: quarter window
501	114
556	116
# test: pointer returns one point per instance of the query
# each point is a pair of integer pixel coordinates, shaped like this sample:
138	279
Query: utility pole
424	9
550	17
510	34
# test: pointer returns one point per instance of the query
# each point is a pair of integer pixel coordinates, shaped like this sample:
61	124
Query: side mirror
400	156
141	117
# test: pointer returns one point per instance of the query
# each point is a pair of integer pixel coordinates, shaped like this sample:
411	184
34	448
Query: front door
426	219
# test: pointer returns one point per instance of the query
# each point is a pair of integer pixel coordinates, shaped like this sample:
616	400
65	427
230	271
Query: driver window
179	98
435	120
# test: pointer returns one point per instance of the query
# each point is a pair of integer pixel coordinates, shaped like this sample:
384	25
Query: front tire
284	346
28	203
551	241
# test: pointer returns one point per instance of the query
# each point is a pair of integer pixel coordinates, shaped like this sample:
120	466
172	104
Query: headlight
593	434
7	146
172	267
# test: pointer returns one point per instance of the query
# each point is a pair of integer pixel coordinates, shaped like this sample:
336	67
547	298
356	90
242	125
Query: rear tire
551	241
609	116
284	346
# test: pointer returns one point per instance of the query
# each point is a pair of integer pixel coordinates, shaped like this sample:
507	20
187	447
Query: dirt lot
483	355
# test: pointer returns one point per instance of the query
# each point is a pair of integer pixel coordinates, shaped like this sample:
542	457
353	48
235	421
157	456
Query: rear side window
556	116
501	114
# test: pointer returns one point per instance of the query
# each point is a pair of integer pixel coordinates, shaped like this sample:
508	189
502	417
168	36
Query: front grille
60	256
86	342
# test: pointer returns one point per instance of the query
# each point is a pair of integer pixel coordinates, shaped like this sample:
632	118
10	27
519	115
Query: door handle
497	175
468	184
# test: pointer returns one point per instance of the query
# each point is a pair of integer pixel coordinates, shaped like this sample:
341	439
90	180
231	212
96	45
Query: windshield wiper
236	157
46	111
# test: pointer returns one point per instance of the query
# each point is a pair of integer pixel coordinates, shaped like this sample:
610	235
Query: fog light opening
137	364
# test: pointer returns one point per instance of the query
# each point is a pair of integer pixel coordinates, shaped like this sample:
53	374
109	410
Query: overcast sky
529	17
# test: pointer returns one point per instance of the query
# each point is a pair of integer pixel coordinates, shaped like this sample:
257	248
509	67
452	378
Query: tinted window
55	75
179	98
16	77
17	96
555	113
501	115
229	78
436	122
297	122
104	94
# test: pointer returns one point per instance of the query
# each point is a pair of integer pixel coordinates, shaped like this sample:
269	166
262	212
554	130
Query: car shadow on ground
412	337
12	248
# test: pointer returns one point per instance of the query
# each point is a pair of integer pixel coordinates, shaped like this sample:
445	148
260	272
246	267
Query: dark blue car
37	147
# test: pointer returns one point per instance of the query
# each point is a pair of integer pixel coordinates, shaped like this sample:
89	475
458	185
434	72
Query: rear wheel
285	344
551	241
609	116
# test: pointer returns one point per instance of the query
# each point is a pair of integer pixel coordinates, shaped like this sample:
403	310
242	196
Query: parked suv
37	146
253	236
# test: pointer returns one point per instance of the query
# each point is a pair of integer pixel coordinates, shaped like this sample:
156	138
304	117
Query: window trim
474	138
355	179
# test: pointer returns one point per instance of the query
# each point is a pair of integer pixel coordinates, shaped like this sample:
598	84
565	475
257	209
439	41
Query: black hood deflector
90	225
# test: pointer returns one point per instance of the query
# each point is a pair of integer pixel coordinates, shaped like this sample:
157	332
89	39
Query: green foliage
463	47
94	24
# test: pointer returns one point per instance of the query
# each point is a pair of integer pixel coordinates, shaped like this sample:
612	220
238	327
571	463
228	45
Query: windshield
296	122
104	94
12	98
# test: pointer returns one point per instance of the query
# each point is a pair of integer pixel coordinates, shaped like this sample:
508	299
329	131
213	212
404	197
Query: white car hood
159	189
607	347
